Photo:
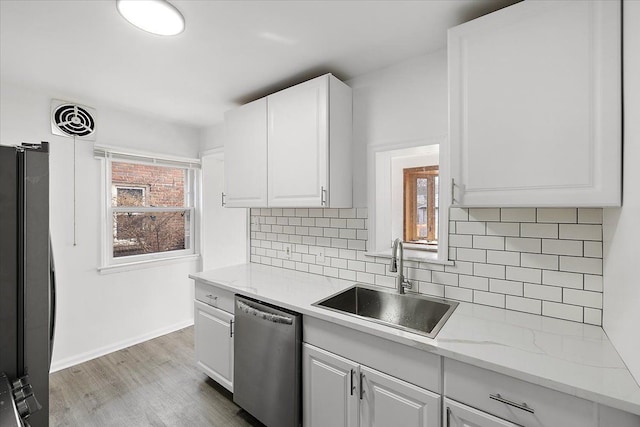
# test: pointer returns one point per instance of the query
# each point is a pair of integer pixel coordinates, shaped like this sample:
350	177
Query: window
421	205
386	165
149	209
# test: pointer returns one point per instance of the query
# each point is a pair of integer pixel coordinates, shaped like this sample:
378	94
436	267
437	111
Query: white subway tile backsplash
475	228
461	240
488	242
323	222
543	292
330	213
484	214
518	215
473	255
562	247
459	214
348	233
549	262
583	298
347	274
503	257
488	298
419	274
442	278
331	271
431	289
562	311
521	244
489	270
522	274
363	277
581	265
474	282
375	268
556	215
549	231
387	281
506	287
563	279
543	261
347	213
503	229
589	216
526	305
592	283
356	265
460	267
581	232
460	294
593	249
330	232
356	223
593	316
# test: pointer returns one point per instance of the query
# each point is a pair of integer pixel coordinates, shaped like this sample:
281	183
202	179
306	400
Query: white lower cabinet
459	415
329	392
388	401
214	343
339	392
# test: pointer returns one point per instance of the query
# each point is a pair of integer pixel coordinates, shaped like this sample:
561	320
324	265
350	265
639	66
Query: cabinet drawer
474	386
214	296
409	364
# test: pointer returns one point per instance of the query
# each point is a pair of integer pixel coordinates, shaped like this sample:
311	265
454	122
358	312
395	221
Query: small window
421	205
151	211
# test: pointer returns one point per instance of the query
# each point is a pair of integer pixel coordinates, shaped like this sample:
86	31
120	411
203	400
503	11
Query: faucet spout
397	254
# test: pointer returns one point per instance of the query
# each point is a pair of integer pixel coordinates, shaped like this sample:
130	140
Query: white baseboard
58	365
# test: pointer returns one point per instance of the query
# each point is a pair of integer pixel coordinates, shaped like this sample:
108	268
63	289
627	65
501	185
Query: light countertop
570	357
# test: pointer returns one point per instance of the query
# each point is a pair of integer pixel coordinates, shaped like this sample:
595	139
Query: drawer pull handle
501	399
361	385
211	296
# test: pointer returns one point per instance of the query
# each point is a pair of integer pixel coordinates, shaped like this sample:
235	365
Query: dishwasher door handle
271	317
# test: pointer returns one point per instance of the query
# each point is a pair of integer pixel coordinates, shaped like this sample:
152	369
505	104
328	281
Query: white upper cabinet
535	106
245	155
292	148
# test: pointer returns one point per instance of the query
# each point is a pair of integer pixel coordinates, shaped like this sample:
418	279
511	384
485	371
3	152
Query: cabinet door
214	343
388	401
535	106
298	140
459	415
329	393
245	155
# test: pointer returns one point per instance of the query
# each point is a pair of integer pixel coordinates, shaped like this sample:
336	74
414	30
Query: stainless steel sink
414	313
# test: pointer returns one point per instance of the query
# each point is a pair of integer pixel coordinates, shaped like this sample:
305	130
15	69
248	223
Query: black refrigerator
27	286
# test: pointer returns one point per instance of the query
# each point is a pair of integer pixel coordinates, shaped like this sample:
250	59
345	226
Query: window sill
117	268
413	255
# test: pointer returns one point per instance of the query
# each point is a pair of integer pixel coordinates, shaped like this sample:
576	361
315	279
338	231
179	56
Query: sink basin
414	313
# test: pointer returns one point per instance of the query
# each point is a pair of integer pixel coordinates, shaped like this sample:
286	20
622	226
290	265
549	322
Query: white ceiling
231	52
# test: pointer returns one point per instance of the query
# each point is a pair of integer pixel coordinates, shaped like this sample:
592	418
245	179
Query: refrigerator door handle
52	302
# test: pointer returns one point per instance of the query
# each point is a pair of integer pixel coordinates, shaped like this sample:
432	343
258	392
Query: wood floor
154	384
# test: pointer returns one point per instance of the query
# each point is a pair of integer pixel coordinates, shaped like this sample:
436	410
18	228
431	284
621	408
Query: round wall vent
73	120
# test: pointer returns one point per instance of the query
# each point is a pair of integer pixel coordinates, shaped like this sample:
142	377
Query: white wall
98	313
395	105
622	226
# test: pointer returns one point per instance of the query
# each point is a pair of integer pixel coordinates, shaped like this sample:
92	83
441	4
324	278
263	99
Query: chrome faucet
396	266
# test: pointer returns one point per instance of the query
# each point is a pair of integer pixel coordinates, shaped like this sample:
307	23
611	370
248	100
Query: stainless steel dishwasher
267	365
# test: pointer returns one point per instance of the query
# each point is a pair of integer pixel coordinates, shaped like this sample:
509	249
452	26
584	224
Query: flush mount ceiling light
154	16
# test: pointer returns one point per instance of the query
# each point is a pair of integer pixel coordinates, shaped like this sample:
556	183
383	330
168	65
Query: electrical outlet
287	250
